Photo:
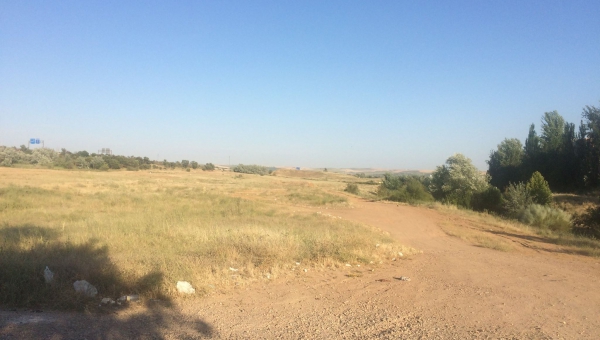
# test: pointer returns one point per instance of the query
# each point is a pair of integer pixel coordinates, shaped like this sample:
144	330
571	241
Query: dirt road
456	291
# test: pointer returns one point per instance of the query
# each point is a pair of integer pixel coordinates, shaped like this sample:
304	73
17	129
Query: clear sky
392	84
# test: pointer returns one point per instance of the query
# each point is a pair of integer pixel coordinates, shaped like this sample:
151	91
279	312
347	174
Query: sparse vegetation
352	188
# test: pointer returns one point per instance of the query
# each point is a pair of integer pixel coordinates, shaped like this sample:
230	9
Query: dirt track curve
456	291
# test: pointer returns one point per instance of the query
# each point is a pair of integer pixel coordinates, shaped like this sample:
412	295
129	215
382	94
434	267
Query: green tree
505	163
590	159
532	143
553	126
185	163
113	163
194	165
457	180
208	167
24	149
539	190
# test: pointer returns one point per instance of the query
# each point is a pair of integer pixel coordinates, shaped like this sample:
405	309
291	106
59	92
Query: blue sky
391	84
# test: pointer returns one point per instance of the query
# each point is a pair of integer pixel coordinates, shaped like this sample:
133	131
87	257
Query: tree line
10	156
520	178
568	158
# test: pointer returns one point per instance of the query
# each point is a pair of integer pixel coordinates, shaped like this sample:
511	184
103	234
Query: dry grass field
285	256
141	232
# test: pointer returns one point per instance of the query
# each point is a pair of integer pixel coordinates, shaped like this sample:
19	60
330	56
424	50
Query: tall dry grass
141	232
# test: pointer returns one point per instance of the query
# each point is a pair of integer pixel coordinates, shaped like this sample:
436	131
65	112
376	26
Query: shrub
251	169
488	200
403	189
588	223
539	190
208	167
516	197
352	188
104	167
545	217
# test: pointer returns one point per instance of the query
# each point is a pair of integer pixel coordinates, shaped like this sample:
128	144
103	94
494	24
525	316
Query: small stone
232	269
305	270
348	265
185	287
85	288
107	301
297	263
48	275
400	254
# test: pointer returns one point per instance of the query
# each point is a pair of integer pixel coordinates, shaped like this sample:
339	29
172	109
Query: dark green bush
408	189
488	200
539	190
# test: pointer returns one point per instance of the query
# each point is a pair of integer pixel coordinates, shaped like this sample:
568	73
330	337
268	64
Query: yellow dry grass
483	229
141	232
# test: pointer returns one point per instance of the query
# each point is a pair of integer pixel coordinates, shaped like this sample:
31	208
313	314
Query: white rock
85	288
185	287
305	270
106	301
230	268
297	263
400	254
348	265
48	275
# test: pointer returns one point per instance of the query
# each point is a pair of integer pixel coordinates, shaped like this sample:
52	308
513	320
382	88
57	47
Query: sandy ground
456	291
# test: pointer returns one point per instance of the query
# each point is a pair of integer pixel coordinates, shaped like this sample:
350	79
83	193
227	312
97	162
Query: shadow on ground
152	323
26	250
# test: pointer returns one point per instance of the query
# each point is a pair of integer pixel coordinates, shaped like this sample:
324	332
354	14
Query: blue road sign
37	141
32	141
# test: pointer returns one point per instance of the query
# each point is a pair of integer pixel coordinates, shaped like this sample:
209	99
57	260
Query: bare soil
456	291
